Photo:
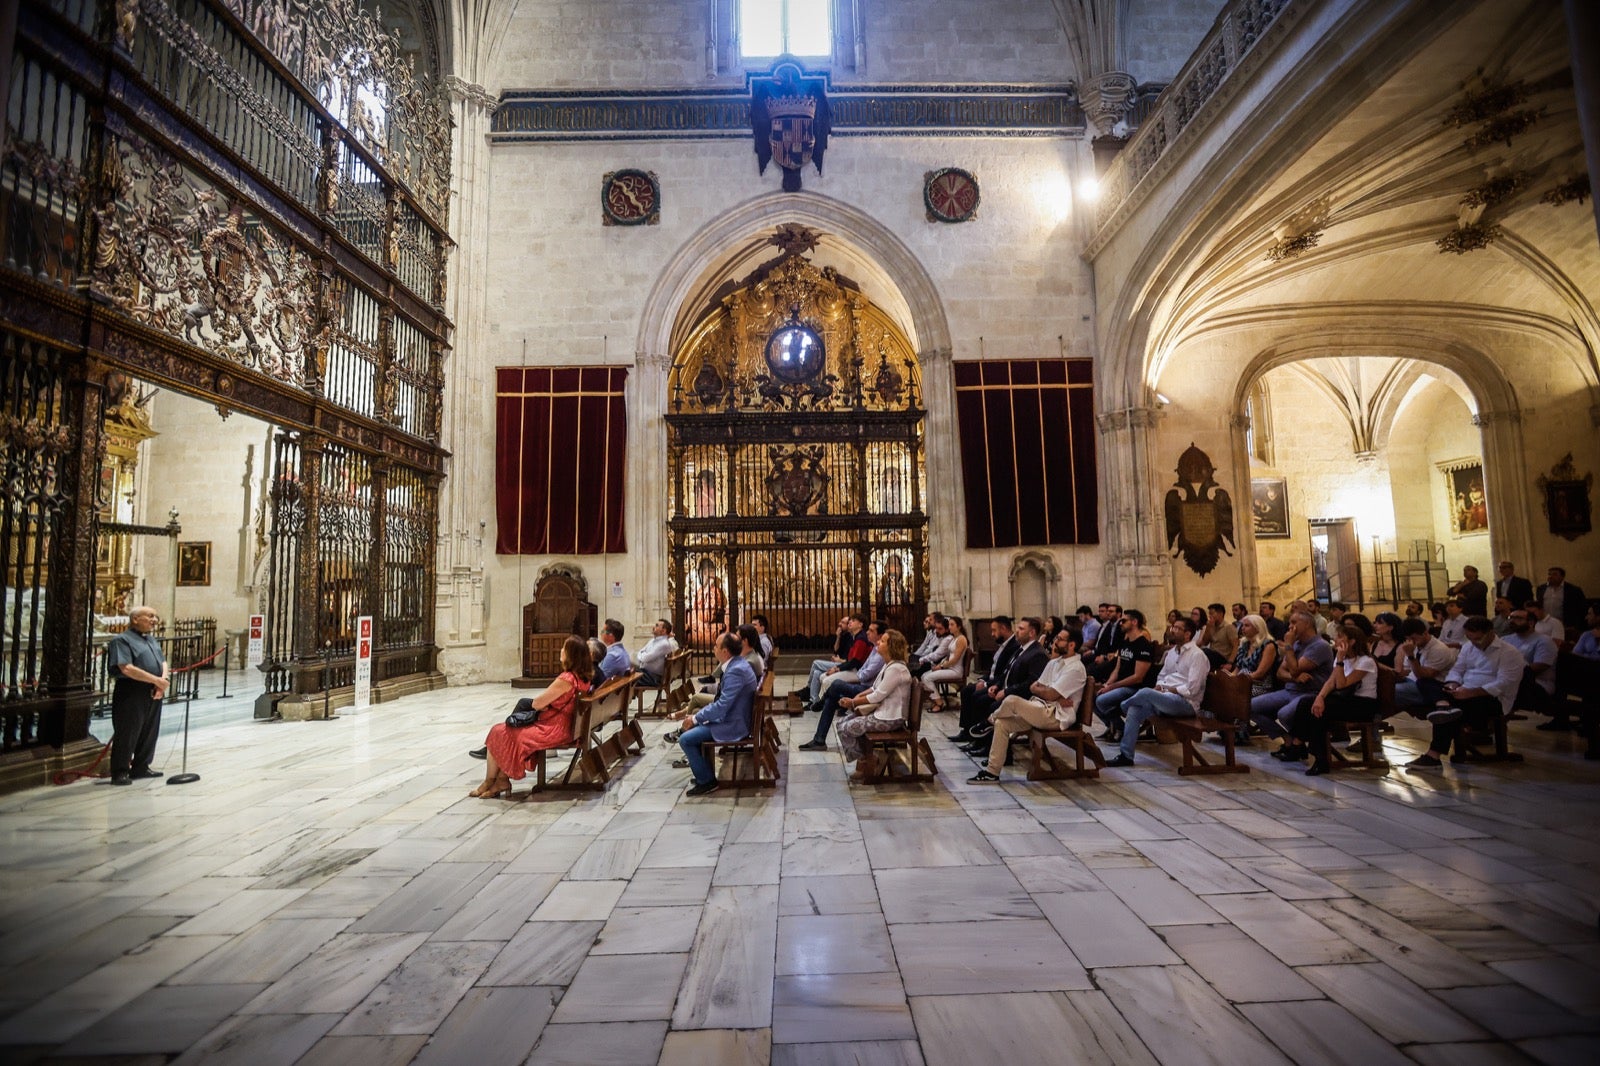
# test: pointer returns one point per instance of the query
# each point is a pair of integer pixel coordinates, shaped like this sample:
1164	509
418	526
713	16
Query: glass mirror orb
794	353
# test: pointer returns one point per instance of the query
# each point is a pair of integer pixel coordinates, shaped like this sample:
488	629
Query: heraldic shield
789	117
1199	514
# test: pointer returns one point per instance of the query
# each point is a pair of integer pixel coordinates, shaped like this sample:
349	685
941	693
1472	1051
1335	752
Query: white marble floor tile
953	894
579	901
1562	980
599	1044
850	894
921	842
543	953
1195	868
1101	931
1397	1009
417	995
624	988
833	943
430	899
974	958
1152	894
648	931
1288	932
1422	958
816	1008
1182	1020
1317	1031
610	859
672	886
717	1047
162	1020
338	975
1563	1050
259	1040
490	1027
858	1053
366	1050
263	954
1053	873
1483	1054
1054	1027
729	980
749	864
1241	970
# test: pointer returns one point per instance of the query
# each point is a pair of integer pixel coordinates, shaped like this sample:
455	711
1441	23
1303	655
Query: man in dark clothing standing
134	659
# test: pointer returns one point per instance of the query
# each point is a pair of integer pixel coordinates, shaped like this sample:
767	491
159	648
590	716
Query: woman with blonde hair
952	667
542	722
883	707
1257	654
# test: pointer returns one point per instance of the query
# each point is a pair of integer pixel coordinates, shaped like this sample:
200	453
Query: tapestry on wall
560	443
1199	513
1028	451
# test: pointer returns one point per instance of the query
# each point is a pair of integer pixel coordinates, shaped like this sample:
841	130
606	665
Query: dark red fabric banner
561	437
1028	451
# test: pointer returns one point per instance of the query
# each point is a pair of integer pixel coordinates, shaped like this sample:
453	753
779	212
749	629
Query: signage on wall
253	650
363	698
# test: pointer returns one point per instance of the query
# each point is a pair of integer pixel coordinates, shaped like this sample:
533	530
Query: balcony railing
1239	32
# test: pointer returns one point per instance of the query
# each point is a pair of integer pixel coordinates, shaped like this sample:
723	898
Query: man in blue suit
726	719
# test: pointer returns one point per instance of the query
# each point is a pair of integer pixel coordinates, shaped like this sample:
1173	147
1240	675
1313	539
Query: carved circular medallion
950	195
794	352
630	198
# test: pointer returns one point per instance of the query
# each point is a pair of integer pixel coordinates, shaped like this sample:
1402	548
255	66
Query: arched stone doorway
795	461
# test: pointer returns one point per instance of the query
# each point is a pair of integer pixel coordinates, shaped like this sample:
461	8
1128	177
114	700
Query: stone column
1137	559
943	502
466	497
1508	487
648	491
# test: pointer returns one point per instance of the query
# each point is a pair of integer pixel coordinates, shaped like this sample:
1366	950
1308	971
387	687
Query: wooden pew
1045	767
1224	709
591	758
761	743
883	750
673	675
1578	692
1372	756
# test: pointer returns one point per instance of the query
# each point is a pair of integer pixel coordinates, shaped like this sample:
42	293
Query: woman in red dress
509	746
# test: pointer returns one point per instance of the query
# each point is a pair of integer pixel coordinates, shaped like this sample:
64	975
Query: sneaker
1120	760
983	777
814	745
703	790
1424	762
1440	715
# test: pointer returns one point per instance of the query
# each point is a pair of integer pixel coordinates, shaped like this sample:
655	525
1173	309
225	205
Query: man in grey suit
725	719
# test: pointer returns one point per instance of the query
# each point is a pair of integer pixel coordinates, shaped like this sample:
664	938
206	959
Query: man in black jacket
1519	590
1017	680
1006	648
1100	659
1561	598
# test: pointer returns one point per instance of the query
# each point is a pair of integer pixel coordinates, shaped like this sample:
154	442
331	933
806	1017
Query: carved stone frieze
1105	100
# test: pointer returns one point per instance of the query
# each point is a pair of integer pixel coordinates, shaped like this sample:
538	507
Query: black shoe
814	745
1424	762
121	779
702	790
147	774
983	777
1113	734
1314	770
1120	760
479	753
672	737
680	764
962	737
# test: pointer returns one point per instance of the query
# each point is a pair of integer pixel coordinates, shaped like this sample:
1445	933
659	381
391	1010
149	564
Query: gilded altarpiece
796	461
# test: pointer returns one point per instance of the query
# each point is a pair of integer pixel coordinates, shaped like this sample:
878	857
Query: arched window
770	28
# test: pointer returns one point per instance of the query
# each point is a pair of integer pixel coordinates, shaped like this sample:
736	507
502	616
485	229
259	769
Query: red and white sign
253	651
363	693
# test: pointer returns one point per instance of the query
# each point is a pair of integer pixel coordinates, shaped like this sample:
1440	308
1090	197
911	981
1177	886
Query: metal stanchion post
185	777
227	653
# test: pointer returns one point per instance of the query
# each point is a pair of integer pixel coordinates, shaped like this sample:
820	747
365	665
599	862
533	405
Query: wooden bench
883	764
592	758
1077	740
1372	756
1472	738
1578	692
761	743
1224	709
674	675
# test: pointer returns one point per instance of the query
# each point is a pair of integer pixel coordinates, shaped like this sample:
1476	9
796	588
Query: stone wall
1160	35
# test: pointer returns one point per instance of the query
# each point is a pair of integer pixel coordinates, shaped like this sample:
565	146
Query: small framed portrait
1566	499
1469	507
1269	507
194	562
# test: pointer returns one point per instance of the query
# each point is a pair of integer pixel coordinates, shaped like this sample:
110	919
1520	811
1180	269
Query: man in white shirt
1422	664
1454	630
651	660
1053	704
1480	687
1179	687
1544	623
939	648
930	637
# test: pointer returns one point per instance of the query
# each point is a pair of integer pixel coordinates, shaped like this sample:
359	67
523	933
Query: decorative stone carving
1300	232
1468	237
1105	100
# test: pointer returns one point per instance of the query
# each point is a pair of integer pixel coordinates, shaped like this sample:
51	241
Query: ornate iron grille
344	556
286	535
408	589
42	173
799	498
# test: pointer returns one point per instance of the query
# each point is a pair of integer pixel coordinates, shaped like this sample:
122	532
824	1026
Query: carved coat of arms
790	119
797	483
1199	513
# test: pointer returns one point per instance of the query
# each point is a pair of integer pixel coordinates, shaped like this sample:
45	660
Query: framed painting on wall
1269	507
1469	507
194	562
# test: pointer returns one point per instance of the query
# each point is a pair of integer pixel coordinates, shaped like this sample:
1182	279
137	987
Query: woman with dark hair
548	719
1349	695
1385	638
951	669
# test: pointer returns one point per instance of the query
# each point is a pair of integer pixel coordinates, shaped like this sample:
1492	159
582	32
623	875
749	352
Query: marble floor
326	893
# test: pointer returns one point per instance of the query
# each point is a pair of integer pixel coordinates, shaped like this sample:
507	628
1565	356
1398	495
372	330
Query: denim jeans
1147	703
818	668
830	705
690	740
1275	709
1108	705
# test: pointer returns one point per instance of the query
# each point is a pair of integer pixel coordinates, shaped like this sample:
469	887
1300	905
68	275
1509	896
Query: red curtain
560	443
1028	451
